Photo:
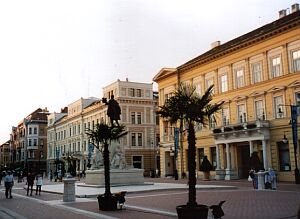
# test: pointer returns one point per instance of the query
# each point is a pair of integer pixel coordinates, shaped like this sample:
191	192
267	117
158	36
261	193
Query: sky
54	52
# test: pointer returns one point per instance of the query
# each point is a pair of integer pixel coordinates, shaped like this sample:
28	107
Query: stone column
220	173
69	190
251	147
264	146
228	166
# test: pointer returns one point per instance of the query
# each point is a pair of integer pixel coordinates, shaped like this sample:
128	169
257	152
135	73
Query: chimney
295	7
282	13
215	44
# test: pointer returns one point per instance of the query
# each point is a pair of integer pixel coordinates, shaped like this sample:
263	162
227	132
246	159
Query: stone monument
120	174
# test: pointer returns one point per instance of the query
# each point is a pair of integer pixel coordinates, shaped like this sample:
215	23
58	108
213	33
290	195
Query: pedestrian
1	175
253	178
9	183
51	175
30	182
39	183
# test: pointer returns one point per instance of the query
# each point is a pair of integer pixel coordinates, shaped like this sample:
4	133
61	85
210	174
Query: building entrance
243	161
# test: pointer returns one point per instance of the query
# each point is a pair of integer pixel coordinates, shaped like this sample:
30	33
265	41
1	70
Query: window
240	78
138	92
212	122
296	60
275	67
278	107
131	92
225	116
284	156
224	84
140	139
133	139
137	162
297	101
259	110
78	146
198	89
256	72
133	118
29	142
35	142
35	130
210	82
213	157
139	118
241	113
123	92
30	131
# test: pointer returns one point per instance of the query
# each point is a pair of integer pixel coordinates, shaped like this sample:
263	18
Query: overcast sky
54	52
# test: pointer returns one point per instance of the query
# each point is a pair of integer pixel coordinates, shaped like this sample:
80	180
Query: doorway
243	161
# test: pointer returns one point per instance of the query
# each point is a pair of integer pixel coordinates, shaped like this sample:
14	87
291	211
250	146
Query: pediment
295	84
257	93
164	72
239	98
276	88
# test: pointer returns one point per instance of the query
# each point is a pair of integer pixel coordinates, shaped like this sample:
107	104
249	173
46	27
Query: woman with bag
39	183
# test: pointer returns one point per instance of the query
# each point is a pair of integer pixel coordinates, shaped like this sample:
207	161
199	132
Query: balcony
241	129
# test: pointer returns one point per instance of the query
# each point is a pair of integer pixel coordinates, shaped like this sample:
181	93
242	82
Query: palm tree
186	106
100	137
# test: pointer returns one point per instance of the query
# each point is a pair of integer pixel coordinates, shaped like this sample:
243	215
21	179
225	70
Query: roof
269	30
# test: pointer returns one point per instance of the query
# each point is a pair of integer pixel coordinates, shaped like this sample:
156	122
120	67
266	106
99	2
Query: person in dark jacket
30	182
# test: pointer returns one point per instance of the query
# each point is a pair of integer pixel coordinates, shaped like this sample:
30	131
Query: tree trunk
106	170
192	165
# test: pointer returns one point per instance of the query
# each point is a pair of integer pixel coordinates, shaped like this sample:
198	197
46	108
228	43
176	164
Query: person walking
30	182
9	183
39	183
51	175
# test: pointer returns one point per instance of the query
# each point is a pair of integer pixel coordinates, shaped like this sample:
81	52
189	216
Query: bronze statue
113	110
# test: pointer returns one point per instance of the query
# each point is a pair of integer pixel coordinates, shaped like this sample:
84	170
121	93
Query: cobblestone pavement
241	203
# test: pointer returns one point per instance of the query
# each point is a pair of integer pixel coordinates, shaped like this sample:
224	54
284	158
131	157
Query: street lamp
40	156
294	123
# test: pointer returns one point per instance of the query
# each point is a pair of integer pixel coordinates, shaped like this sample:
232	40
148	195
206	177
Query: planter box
227	129
217	131
195	212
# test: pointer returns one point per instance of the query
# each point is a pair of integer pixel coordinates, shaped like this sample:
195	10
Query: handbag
249	178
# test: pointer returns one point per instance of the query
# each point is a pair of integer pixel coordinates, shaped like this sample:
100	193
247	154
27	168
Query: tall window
35	142
225	116
256	72
29	142
224	84
240	78
133	118
198	89
284	156
212	122
297	100
139	118
133	139
137	162
131	92
241	113
278	107
35	130
138	92
210	82
30	131
275	67
259	110
140	139
296	60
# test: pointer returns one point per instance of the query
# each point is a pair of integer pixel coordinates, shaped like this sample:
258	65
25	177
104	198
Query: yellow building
258	77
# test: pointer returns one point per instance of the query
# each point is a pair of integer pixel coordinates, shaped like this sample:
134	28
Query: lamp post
294	123
40	157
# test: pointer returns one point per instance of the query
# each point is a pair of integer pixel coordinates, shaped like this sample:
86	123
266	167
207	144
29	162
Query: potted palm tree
187	106
100	137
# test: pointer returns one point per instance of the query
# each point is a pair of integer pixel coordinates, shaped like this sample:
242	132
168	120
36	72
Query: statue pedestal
117	177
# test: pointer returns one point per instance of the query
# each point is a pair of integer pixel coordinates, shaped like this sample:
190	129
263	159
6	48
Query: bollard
69	190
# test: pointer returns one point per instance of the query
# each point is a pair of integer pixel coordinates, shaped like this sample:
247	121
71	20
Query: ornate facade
258	77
